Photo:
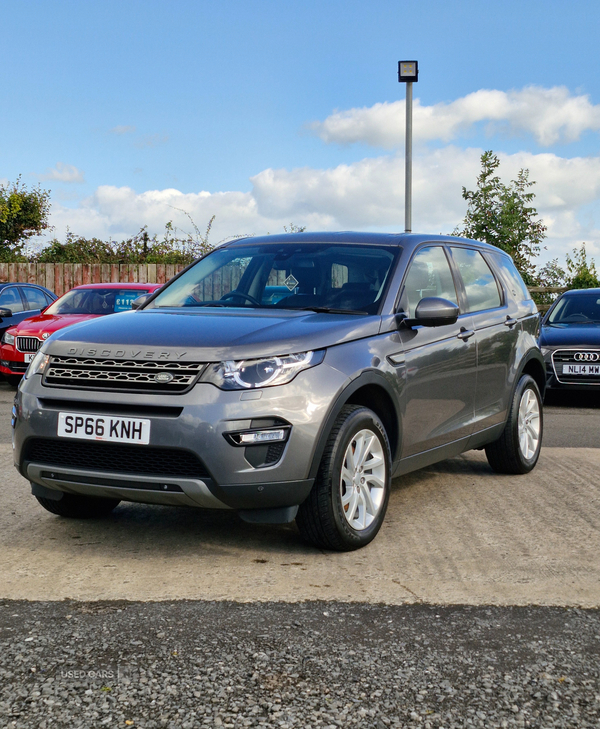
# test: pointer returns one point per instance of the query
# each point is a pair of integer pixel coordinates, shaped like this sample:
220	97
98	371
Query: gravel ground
315	664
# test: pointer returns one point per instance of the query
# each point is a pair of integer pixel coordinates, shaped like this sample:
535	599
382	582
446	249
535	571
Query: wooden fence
60	277
543	307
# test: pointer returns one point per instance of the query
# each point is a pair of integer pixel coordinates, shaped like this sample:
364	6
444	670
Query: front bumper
12	362
556	380
195	422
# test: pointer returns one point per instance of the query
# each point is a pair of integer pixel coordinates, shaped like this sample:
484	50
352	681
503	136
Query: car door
440	362
10	298
496	332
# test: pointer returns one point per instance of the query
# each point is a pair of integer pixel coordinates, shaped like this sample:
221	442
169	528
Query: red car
20	343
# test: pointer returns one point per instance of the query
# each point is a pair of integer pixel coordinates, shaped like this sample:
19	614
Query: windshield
95	301
577	309
321	277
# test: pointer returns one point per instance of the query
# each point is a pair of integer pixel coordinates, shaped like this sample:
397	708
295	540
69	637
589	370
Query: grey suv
289	377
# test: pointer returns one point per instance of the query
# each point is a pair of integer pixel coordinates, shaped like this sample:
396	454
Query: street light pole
408	161
408	71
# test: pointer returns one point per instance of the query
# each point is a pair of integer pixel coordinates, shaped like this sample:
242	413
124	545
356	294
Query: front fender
357	391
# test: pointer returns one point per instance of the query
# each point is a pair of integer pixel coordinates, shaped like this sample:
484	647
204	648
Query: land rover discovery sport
289	377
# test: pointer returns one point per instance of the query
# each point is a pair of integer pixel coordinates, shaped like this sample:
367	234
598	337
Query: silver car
289	377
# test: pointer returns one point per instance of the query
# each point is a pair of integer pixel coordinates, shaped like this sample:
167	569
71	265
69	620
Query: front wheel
74	506
518	448
347	504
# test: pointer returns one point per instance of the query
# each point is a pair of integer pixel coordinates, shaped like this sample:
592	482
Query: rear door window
36	298
481	287
513	279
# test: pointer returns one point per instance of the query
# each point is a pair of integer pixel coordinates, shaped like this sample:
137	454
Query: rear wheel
347	504
518	448
75	506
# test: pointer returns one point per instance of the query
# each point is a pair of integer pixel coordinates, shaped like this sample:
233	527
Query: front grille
114	374
28	344
588	358
115	458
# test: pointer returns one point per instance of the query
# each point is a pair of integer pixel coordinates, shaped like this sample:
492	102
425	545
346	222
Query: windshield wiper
329	310
576	323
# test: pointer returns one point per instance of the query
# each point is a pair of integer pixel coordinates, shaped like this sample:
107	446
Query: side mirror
433	312
140	301
5	313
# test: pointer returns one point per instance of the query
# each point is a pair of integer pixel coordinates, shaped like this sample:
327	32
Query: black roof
577	292
406	240
4	284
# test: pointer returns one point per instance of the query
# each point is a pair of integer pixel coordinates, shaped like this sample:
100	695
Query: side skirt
449	450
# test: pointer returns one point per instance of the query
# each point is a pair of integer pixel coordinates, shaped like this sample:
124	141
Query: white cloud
63	173
366	195
152	140
121	129
551	115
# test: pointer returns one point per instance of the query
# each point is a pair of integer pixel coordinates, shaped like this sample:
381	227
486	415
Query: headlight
251	373
37	365
8	338
547	351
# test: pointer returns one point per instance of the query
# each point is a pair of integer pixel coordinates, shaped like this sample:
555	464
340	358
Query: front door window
429	275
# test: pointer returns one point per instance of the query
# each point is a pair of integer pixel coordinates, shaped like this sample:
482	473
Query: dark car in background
289	377
570	341
19	301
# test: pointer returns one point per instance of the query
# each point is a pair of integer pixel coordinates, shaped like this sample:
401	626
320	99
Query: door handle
464	334
510	322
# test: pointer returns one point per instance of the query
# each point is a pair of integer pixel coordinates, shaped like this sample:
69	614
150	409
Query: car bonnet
207	335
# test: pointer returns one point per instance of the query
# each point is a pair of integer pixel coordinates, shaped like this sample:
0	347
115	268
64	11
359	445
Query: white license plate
104	427
29	357
586	369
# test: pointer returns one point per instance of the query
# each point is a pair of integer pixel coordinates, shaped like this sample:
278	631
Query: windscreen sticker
124	298
291	282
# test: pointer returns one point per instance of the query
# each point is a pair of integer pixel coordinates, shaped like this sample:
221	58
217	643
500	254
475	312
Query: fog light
258	437
262	436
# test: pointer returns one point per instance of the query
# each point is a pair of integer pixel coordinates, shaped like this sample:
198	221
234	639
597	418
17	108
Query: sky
266	113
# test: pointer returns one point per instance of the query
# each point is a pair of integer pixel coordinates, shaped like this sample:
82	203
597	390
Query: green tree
503	215
76	249
581	273
23	214
175	246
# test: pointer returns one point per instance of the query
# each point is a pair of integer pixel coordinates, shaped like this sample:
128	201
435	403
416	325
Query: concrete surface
454	533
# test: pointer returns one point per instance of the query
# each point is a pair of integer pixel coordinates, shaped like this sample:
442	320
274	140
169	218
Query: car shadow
169	531
572	399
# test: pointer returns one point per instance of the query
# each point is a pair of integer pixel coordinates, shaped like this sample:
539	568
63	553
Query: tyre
518	448
75	506
348	501
13	380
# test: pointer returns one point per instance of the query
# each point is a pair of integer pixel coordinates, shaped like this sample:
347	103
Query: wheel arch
533	365
373	391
